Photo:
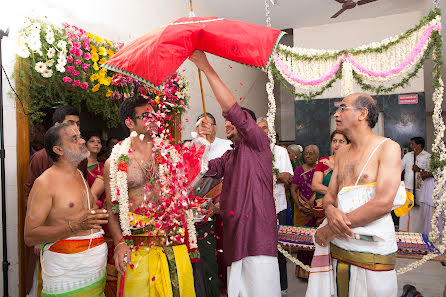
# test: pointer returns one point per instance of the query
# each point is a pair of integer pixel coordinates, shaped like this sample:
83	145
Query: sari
306	199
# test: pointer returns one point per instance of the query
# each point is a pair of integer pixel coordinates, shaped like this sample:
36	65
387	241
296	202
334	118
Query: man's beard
75	157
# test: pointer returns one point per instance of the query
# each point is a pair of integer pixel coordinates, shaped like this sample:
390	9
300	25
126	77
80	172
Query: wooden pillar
22	175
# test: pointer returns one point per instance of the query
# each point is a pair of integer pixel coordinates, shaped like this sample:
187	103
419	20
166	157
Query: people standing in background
210	271
414	220
283	165
325	166
110	144
303	198
295	154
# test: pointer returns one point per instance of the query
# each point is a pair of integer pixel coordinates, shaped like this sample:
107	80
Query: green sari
325	182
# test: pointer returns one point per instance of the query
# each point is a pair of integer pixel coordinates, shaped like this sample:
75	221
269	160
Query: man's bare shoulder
391	148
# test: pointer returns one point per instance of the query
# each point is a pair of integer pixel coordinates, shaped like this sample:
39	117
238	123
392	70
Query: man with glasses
365	186
141	278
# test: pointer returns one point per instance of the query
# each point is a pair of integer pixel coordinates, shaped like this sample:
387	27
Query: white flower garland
118	182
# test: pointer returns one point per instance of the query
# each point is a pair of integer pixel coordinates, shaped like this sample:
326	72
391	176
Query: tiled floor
429	279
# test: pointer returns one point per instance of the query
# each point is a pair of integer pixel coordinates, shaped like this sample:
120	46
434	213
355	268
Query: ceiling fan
349	4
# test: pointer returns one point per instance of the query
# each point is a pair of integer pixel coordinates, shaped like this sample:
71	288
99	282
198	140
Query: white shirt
422	161
282	163
219	147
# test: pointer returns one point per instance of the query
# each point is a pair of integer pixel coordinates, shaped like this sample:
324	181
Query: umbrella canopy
153	57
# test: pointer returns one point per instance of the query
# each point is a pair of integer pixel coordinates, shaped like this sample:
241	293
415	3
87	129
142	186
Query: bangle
71	228
119	244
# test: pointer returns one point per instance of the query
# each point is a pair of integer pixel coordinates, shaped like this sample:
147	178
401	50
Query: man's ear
363	115
58	150
129	123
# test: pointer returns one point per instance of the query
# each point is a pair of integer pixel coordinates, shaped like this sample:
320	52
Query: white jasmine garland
118	180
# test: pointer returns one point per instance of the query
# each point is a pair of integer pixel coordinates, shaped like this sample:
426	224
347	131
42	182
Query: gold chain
145	170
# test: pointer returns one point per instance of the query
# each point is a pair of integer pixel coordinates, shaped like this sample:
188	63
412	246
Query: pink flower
70	59
75	73
85	66
86	41
85	74
72	50
76	36
84	85
78	52
76	83
77	45
70	69
67	79
82	31
86	47
77	62
87	56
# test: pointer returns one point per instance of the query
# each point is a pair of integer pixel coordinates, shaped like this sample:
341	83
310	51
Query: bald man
364	188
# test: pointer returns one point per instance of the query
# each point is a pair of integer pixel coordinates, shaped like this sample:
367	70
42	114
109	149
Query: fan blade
338	13
365	2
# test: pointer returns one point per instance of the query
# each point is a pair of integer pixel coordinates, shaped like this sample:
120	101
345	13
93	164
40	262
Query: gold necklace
144	170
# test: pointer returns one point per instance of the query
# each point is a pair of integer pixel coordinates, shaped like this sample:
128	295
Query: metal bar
5	263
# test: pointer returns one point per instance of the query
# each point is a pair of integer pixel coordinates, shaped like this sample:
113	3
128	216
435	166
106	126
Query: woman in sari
324	168
96	182
303	198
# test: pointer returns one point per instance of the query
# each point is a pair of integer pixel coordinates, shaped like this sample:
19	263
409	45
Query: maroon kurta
247	203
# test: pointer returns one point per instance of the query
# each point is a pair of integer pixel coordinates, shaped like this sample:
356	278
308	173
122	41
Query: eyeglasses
342	108
146	114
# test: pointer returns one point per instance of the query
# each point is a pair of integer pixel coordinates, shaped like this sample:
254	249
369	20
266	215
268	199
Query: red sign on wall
408	99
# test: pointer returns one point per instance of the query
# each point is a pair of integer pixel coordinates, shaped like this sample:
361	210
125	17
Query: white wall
347	35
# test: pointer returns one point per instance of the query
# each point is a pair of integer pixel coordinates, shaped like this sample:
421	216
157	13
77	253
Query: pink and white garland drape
377	67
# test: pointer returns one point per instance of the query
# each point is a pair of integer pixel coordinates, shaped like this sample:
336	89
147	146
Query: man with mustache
61	216
247	203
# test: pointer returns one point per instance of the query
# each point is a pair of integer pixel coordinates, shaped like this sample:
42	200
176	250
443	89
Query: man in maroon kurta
247	204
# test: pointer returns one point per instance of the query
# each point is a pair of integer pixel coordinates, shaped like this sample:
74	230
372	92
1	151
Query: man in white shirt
207	271
283	164
413	221
218	145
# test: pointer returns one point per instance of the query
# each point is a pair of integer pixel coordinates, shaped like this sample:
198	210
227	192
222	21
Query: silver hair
261	119
294	148
313	146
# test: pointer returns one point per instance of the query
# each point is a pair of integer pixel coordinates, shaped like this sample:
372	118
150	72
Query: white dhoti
255	276
75	266
362	266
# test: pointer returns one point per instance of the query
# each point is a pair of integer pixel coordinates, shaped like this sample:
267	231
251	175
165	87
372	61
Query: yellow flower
102	72
107	81
102	61
94	77
90	35
109	43
110	52
94	57
95	66
101	80
109	93
96	88
93	49
102	51
97	39
157	99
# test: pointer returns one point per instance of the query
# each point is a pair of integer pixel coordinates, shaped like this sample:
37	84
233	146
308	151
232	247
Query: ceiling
305	13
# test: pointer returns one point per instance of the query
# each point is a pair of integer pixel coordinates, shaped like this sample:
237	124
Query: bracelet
119	244
71	228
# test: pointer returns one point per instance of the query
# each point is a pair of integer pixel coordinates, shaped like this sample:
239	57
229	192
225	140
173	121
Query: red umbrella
153	57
